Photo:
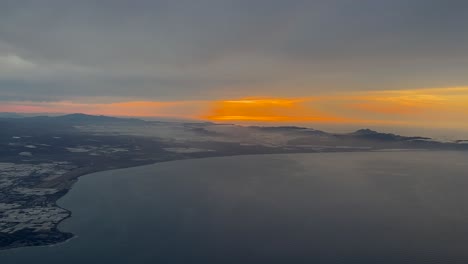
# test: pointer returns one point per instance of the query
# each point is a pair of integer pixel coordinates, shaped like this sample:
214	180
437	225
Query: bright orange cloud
413	102
267	110
442	107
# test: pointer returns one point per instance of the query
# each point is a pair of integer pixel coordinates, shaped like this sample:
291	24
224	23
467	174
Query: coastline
85	171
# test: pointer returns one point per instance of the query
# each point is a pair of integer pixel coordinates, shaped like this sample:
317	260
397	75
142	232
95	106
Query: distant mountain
41	125
290	129
82	119
374	135
279	128
93	118
292	135
10	115
364	132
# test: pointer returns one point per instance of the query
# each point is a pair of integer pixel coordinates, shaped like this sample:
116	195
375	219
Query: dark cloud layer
52	49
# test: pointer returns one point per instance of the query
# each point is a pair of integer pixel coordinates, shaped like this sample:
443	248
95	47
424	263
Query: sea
387	207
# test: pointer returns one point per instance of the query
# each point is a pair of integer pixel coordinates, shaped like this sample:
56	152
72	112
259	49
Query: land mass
42	157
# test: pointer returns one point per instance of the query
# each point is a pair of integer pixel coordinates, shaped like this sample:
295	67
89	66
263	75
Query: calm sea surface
376	208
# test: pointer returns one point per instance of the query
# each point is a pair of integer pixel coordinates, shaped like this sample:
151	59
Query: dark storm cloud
187	49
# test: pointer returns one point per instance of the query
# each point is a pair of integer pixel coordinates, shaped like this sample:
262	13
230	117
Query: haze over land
42	157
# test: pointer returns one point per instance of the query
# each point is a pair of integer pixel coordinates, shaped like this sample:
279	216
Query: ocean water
380	207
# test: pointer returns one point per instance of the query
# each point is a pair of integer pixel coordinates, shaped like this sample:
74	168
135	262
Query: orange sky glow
441	106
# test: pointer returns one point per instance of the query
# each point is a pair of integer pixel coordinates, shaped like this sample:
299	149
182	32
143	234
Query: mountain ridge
80	118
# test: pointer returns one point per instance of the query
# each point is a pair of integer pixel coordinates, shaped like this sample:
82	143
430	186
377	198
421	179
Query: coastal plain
42	157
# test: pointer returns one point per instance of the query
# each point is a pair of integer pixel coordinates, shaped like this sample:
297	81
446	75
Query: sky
385	62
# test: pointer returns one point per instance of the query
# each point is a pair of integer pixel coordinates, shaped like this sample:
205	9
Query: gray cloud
56	49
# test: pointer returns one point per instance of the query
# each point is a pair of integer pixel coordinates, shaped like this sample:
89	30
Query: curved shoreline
90	171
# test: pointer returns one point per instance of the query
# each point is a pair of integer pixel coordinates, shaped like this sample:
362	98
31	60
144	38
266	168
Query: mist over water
386	207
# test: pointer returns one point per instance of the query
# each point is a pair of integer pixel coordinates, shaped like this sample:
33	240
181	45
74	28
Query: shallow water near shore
385	207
